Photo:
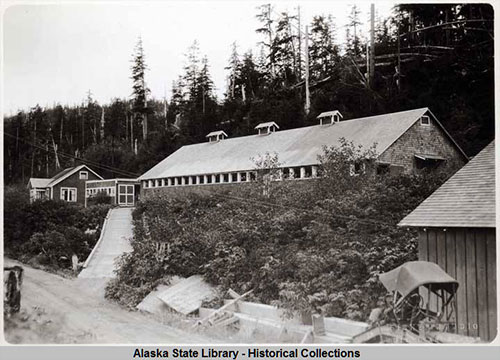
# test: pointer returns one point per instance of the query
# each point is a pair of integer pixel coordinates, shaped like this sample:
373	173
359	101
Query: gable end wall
422	139
74	181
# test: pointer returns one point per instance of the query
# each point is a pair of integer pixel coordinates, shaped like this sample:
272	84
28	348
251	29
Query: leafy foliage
49	232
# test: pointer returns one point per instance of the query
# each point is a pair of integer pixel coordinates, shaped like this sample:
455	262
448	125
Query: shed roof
467	199
39	182
295	147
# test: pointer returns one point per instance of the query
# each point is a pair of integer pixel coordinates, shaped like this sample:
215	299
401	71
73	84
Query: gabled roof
329	113
215	133
467	199
68	172
295	147
267	124
39	182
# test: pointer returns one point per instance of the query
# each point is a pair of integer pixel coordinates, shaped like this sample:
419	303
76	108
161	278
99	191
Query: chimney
329	117
267	128
216	136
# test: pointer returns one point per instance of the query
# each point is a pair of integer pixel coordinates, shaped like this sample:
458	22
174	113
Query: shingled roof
295	147
467	199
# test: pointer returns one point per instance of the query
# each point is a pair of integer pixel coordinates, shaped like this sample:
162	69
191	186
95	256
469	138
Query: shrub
50	231
101	198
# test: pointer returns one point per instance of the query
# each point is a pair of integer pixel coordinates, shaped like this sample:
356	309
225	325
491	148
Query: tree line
425	55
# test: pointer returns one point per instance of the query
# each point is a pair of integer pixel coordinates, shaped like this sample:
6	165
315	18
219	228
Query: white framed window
357	168
68	194
84	175
425	120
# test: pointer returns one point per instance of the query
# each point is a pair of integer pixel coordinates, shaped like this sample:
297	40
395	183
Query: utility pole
300	44
308	100
61	129
398	69
47	159
102	124
58	165
372	46
132	131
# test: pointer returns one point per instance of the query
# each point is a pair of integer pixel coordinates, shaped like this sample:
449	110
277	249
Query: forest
425	55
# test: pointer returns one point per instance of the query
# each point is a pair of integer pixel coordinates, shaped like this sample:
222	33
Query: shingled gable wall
74	181
422	139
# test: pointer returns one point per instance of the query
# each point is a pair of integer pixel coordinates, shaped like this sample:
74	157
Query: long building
405	141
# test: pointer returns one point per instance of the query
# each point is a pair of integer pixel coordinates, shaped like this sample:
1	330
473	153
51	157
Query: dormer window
425	120
216	136
329	117
267	128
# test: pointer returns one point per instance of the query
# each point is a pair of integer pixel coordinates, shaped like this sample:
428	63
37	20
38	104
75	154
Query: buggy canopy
409	276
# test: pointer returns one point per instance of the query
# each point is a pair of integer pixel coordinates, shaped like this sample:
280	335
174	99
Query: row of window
303	172
106	190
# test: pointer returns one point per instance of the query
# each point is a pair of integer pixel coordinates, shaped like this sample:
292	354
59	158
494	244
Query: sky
57	52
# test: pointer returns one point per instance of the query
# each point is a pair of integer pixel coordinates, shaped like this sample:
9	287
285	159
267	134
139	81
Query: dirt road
59	310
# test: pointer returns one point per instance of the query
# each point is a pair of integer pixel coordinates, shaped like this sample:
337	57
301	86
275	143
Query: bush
101	198
50	231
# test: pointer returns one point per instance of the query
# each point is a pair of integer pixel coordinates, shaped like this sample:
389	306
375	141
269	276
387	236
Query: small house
67	185
457	231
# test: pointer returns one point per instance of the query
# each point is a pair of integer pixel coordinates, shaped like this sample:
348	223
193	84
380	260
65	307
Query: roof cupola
329	117
267	128
216	136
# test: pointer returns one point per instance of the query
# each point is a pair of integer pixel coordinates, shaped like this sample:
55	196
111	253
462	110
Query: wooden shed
122	192
457	230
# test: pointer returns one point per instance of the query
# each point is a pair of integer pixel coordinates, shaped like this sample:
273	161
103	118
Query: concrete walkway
115	242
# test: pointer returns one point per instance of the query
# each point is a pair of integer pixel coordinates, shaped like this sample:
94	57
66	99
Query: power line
90	162
288	207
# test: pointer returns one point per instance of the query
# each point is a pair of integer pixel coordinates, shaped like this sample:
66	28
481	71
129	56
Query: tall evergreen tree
233	68
140	90
324	54
353	43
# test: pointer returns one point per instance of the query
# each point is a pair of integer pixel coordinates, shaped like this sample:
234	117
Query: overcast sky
55	53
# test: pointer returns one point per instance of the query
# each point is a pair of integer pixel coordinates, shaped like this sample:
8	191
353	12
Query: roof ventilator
267	128
216	136
329	117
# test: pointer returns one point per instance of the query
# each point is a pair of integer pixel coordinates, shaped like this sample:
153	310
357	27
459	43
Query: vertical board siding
482	290
461	263
432	251
422	246
491	270
451	266
424	256
441	260
470	254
